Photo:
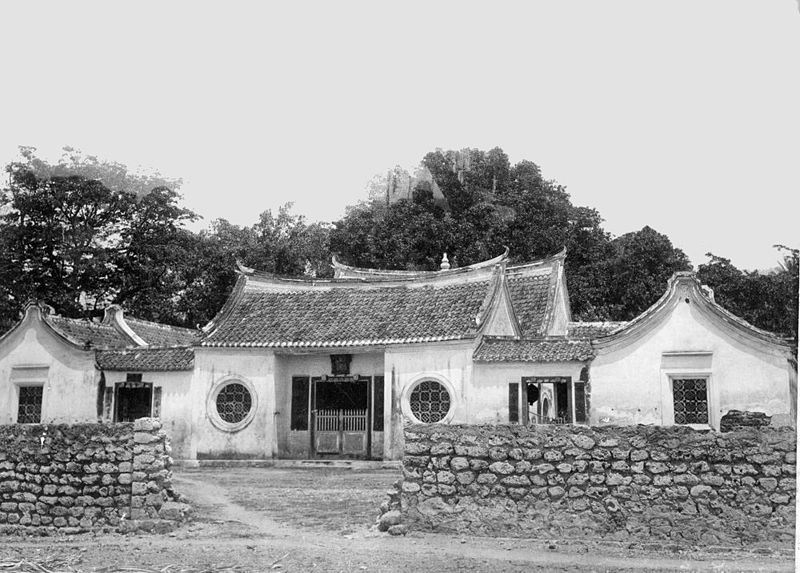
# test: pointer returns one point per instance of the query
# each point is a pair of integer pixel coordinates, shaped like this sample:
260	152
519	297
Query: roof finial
445	265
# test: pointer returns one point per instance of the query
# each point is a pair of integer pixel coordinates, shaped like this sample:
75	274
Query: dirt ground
255	519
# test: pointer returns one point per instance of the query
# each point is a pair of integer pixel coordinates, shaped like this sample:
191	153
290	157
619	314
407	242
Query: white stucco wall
70	389
406	365
630	382
176	405
254	367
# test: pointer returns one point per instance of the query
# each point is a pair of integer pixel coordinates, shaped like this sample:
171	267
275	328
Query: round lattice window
429	401
234	403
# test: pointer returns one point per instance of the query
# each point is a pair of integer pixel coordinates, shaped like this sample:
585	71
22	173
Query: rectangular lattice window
691	400
29	410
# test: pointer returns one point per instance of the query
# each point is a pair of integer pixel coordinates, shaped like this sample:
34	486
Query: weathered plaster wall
176	405
449	363
630	382
82	477
490	387
70	389
214	366
609	482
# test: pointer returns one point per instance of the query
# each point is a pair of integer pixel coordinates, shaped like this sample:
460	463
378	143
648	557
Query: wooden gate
341	432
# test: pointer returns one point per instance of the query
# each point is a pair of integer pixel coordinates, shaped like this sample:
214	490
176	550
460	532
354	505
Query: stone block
138	488
700	490
713	479
503	468
497	454
459	463
445	489
601	454
413	448
516	454
478	465
532	454
583	441
662	480
515	481
442	448
410	487
465	478
146	425
565	468
553	456
656	467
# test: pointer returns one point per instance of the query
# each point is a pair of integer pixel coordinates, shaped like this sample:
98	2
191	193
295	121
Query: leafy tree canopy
768	300
73	241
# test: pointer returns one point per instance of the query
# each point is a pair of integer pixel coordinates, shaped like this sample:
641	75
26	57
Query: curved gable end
533	289
687	360
684	288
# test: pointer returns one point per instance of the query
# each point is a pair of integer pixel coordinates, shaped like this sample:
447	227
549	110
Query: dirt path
498	553
308	520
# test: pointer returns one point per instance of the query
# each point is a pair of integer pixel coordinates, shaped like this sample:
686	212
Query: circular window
232	404
429	401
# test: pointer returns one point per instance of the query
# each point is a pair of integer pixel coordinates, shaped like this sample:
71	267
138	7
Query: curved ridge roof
342	271
368	307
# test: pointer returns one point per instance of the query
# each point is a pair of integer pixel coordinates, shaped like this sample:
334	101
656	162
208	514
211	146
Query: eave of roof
592	330
549	349
146	359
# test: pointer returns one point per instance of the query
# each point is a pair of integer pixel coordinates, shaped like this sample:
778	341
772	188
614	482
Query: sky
680	115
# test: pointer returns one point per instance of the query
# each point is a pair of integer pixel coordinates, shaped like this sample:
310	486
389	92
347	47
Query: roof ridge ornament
445	264
243	269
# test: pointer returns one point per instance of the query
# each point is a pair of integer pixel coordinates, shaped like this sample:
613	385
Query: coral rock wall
80	477
606	482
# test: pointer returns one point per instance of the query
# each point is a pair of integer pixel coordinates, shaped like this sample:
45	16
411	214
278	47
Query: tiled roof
591	330
367	307
540	350
146	359
82	331
265	311
156	334
530	294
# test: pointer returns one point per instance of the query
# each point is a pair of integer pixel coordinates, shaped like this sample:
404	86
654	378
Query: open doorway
132	400
547	400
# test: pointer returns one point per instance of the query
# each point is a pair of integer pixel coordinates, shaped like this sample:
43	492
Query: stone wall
81	477
738	420
634	482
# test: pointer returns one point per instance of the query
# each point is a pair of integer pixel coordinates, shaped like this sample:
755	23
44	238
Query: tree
766	300
78	244
637	274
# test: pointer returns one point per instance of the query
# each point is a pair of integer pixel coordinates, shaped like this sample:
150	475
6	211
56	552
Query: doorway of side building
552	400
132	400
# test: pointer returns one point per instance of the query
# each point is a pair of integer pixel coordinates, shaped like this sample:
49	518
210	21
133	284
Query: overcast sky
681	115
